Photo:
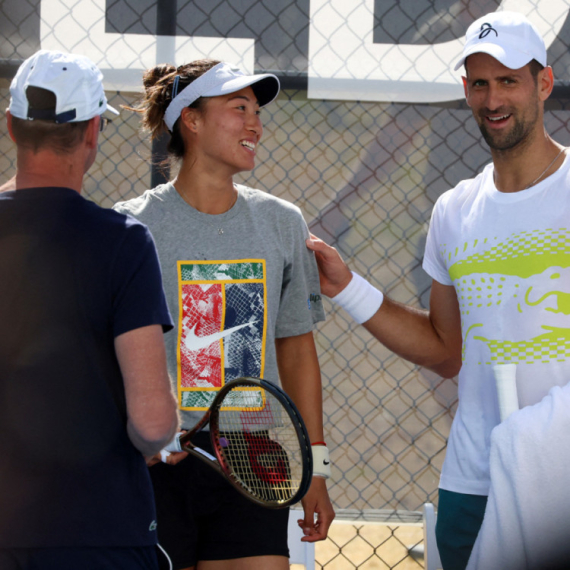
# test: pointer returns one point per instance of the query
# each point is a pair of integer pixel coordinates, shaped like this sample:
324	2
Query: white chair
431	554
299	552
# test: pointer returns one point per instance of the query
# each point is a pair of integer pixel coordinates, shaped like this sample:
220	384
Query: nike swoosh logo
195	342
325	462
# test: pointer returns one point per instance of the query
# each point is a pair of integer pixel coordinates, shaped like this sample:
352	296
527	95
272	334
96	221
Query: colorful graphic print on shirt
514	295
222	326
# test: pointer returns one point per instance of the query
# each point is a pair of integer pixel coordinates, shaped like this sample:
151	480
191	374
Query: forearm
152	415
143	440
153	420
428	338
301	378
410	333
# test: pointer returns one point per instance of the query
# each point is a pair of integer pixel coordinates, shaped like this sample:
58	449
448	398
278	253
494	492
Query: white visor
221	80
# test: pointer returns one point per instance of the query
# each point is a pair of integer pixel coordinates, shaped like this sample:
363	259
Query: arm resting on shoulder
429	338
151	405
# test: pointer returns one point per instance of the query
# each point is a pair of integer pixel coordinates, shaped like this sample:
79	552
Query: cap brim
112	109
267	89
265	86
514	60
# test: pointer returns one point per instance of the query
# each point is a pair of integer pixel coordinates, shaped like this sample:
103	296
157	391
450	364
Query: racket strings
259	444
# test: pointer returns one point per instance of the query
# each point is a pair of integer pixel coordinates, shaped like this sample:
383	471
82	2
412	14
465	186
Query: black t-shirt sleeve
138	294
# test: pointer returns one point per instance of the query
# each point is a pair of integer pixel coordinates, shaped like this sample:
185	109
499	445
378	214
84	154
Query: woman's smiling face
228	129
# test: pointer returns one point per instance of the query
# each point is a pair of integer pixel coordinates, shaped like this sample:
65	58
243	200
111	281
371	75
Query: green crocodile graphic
553	346
521	255
481	282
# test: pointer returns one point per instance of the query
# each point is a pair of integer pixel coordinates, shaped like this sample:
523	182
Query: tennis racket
506	382
260	442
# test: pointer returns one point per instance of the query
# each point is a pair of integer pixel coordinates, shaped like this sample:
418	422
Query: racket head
261	442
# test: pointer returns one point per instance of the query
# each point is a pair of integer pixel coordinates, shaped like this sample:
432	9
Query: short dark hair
37	134
535	68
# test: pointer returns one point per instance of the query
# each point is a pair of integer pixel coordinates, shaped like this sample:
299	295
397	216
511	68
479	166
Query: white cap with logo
508	37
75	81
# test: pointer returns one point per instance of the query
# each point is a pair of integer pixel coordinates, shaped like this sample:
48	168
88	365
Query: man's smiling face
505	102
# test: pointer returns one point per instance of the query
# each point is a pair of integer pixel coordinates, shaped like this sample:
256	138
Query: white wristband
174	445
359	299
321	461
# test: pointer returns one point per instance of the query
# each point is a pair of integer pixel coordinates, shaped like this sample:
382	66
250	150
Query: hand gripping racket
260	442
507	394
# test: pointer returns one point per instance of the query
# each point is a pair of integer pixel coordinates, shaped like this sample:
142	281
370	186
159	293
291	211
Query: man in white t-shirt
498	251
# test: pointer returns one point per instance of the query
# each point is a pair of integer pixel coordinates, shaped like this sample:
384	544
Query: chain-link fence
366	175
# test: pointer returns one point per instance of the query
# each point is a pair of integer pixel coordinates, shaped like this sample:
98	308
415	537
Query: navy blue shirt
73	276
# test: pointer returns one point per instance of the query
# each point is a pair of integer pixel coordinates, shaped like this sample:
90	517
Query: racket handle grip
174	446
506	382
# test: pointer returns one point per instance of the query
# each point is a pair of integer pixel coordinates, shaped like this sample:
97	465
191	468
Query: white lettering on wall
345	63
79	27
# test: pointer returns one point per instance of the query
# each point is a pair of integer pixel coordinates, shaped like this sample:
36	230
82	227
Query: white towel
527	519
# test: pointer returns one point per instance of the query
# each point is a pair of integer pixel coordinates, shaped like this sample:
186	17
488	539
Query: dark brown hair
38	134
535	68
158	82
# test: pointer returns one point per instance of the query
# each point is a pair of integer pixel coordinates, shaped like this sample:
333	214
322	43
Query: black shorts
202	517
136	558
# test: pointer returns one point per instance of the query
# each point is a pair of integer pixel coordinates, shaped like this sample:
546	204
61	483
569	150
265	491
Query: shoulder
114	216
466	191
145	204
118	227
268	204
8	186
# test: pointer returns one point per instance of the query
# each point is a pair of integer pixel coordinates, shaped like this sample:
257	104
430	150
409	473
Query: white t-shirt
508	257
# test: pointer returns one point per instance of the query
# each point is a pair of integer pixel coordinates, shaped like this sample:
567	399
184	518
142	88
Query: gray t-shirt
234	282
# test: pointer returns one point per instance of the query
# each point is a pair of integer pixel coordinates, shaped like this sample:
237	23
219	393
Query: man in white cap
499	255
84	392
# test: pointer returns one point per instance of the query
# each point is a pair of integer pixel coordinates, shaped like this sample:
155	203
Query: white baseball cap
221	79
508	37
75	81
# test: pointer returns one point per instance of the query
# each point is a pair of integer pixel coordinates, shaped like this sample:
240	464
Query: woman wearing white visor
246	294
